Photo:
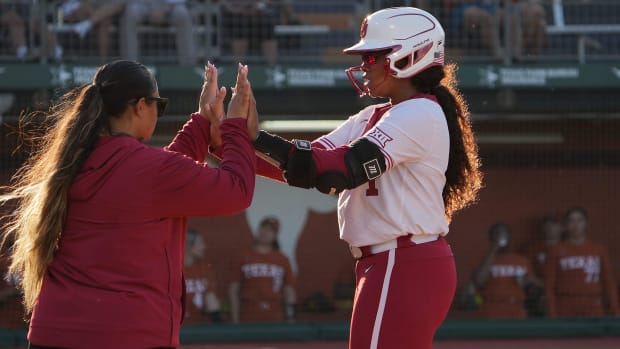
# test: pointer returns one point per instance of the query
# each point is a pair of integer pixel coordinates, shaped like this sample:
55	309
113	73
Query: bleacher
584	28
576	30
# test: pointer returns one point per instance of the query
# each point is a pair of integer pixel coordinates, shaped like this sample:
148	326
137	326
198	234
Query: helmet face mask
414	37
368	59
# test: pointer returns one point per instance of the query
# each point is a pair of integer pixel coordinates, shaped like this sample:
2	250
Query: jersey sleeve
183	187
328	150
407	132
343	134
193	139
340	136
268	170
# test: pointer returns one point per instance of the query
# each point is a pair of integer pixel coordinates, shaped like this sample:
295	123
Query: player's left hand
252	122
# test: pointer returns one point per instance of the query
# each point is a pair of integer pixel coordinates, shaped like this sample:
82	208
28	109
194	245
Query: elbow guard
364	161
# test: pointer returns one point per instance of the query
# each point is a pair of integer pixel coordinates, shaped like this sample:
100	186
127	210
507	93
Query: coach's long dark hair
463	176
40	189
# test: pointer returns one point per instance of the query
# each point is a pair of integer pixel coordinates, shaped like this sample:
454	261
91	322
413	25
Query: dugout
547	129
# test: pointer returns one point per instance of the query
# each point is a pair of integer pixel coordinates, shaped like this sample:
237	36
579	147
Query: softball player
579	278
401	169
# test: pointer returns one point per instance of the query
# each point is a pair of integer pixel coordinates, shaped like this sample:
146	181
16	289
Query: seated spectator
14	16
201	301
502	277
88	14
479	19
422	4
578	275
484	19
159	13
251	23
529	27
262	282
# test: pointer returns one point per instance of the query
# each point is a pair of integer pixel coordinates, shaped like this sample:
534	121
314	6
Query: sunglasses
371	58
162	103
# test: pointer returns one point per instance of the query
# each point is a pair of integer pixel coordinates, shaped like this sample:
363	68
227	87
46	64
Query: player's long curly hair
64	138
463	176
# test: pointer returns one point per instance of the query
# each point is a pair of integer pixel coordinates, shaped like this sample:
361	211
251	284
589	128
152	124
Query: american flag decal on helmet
438	57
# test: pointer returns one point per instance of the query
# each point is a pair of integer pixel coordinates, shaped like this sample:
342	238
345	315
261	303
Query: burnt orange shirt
502	295
579	271
262	278
503	283
199	280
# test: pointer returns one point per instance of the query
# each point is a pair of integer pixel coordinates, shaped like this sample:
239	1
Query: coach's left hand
211	104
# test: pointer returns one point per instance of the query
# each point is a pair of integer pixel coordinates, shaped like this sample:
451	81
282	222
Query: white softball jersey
413	135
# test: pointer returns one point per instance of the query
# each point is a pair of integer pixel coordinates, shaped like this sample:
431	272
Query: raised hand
211	104
240	100
210	94
253	121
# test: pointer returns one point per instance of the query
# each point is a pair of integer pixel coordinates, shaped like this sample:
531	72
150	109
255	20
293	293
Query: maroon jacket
116	279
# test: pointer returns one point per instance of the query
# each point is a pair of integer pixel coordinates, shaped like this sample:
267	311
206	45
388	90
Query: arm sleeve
265	169
193	139
340	136
184	187
328	150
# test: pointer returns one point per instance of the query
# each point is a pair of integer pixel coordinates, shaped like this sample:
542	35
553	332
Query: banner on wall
22	76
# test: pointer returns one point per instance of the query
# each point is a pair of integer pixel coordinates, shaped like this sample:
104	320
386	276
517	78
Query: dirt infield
566	343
